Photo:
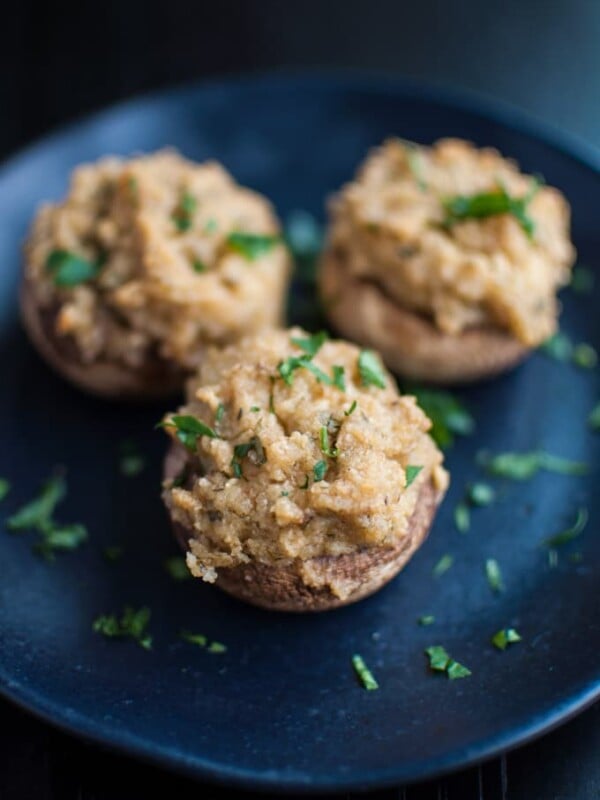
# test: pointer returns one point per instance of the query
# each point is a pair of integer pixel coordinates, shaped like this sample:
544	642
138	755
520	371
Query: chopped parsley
131	461
183	214
552	558
319	470
488	204
198	265
462	517
202	641
504	637
177	568
311	344
370	369
494	575
411	473
255	409
352	409
582	280
131	624
594	418
523	466
68	269
448	415
189	429
426	619
481	494
112	553
558	346
4	488
443	565
219	413
585	356
252	245
287	368
440	661
364	674
338	377
570	533
326	448
37	515
253	450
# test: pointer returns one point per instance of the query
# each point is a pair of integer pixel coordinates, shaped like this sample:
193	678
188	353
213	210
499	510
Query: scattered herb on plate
448	415
364	674
131	461
462	517
177	568
481	494
582	279
200	640
558	346
4	488
131	624
570	533
504	637
594	418
523	466
443	565
585	356
426	619
494	575
441	661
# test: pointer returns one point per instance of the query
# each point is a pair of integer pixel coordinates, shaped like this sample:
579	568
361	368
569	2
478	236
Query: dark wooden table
58	61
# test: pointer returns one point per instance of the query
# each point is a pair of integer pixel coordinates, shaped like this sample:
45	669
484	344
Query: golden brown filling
311	452
157	254
458	234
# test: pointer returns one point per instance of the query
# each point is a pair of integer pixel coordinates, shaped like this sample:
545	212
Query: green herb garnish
443	565
338	378
426	619
189	429
523	466
364	674
253	450
504	637
440	661
68	269
202	641
198	266
370	369
177	568
552	558
4	488
131	462
252	245
481	494
183	214
132	624
582	280
585	356
488	204
311	344
462	517
411	473
352	409
216	647
287	368
494	575
594	418
219	413
570	533
558	346
326	448
448	415
319	470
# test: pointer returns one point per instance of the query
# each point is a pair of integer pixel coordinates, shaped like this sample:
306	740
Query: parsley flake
448	415
582	280
183	214
594	418
440	661
252	245
363	673
253	450
189	429
131	462
426	619
566	536
177	568
481	494
202	641
352	409
443	565
68	269
558	346
462	517
4	488
585	356
326	448
311	344
411	473
219	413
319	470
504	637
488	204
131	624
494	575
198	265
523	466
370	369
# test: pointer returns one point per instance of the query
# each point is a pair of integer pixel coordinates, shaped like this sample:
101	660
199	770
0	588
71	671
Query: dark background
61	60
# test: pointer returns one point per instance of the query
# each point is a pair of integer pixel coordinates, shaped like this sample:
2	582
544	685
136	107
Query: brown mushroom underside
410	344
281	587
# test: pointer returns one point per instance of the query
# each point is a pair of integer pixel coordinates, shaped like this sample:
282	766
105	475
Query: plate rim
85	727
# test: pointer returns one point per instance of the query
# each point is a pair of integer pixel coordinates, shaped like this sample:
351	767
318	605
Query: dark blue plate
282	708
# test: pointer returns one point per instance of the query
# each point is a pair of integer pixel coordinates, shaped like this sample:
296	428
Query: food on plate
145	263
298	478
447	259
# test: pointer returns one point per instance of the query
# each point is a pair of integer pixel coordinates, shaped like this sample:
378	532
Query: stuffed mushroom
146	263
298	478
447	259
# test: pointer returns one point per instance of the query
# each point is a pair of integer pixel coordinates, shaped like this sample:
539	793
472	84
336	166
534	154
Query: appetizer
446	259
145	263
298	478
